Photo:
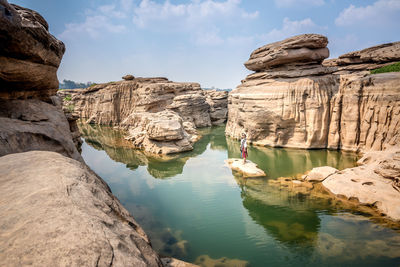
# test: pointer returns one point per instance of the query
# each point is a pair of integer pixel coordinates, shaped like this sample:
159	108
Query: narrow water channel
194	208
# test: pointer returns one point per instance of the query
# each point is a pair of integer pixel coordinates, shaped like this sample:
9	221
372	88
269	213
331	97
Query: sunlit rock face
296	100
158	115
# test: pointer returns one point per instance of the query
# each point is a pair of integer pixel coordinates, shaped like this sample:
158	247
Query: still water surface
194	208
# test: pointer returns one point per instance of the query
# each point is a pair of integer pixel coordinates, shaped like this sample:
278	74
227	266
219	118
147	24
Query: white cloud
291	28
98	22
297	3
94	26
379	13
150	13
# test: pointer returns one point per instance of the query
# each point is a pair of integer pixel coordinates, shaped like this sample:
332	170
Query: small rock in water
248	169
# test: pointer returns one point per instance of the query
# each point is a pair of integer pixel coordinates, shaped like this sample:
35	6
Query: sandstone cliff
55	210
158	115
296	100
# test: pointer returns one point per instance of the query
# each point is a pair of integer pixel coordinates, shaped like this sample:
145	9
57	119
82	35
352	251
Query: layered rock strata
159	116
55	210
295	101
29	54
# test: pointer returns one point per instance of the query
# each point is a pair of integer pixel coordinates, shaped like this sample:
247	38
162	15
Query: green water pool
194	208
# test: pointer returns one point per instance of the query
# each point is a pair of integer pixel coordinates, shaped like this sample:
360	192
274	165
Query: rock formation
67	217
29	55
294	100
55	210
158	115
218	101
246	170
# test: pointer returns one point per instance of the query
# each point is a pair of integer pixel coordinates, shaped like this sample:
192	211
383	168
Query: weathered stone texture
29	54
64	214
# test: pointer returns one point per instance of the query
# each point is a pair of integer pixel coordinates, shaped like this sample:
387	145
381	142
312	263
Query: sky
204	41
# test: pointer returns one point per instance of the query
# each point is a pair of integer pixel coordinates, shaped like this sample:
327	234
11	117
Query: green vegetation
389	68
68	84
71	108
93	84
68	98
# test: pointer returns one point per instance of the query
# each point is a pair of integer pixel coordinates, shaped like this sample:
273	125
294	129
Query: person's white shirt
243	143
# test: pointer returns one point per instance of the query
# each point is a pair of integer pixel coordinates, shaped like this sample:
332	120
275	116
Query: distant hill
68	84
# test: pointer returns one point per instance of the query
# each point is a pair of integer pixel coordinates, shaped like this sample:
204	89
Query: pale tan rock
367	184
365	113
282	112
300	48
159	133
309	105
62	214
30	55
247	169
320	173
135	104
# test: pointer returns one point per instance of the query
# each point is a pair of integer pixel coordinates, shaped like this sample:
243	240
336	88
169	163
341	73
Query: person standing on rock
243	147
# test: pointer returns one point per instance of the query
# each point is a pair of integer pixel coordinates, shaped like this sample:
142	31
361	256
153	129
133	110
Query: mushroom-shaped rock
128	77
248	169
300	48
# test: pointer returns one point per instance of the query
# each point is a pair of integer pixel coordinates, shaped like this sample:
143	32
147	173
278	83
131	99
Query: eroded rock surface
67	216
160	116
247	169
375	183
29	54
305	104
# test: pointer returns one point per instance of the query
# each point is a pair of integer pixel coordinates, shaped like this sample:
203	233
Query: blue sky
205	41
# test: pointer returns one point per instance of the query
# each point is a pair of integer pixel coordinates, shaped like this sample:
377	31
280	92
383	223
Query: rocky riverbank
55	210
158	115
295	99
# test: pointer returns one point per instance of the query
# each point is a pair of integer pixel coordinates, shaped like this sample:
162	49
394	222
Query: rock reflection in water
277	162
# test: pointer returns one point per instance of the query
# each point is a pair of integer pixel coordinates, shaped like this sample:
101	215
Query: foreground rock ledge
57	212
248	169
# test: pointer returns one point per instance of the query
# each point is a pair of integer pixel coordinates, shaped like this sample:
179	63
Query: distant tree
68	84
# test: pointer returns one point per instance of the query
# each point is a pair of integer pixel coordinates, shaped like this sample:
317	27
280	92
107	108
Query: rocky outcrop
302	48
376	182
366	59
67	216
29	54
160	133
55	210
29	58
247	169
159	116
218	101
298	102
27	125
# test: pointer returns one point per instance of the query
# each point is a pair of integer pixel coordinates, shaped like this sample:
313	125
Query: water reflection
208	216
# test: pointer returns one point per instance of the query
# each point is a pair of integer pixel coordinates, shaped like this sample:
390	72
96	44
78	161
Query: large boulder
29	54
300	48
27	125
56	211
